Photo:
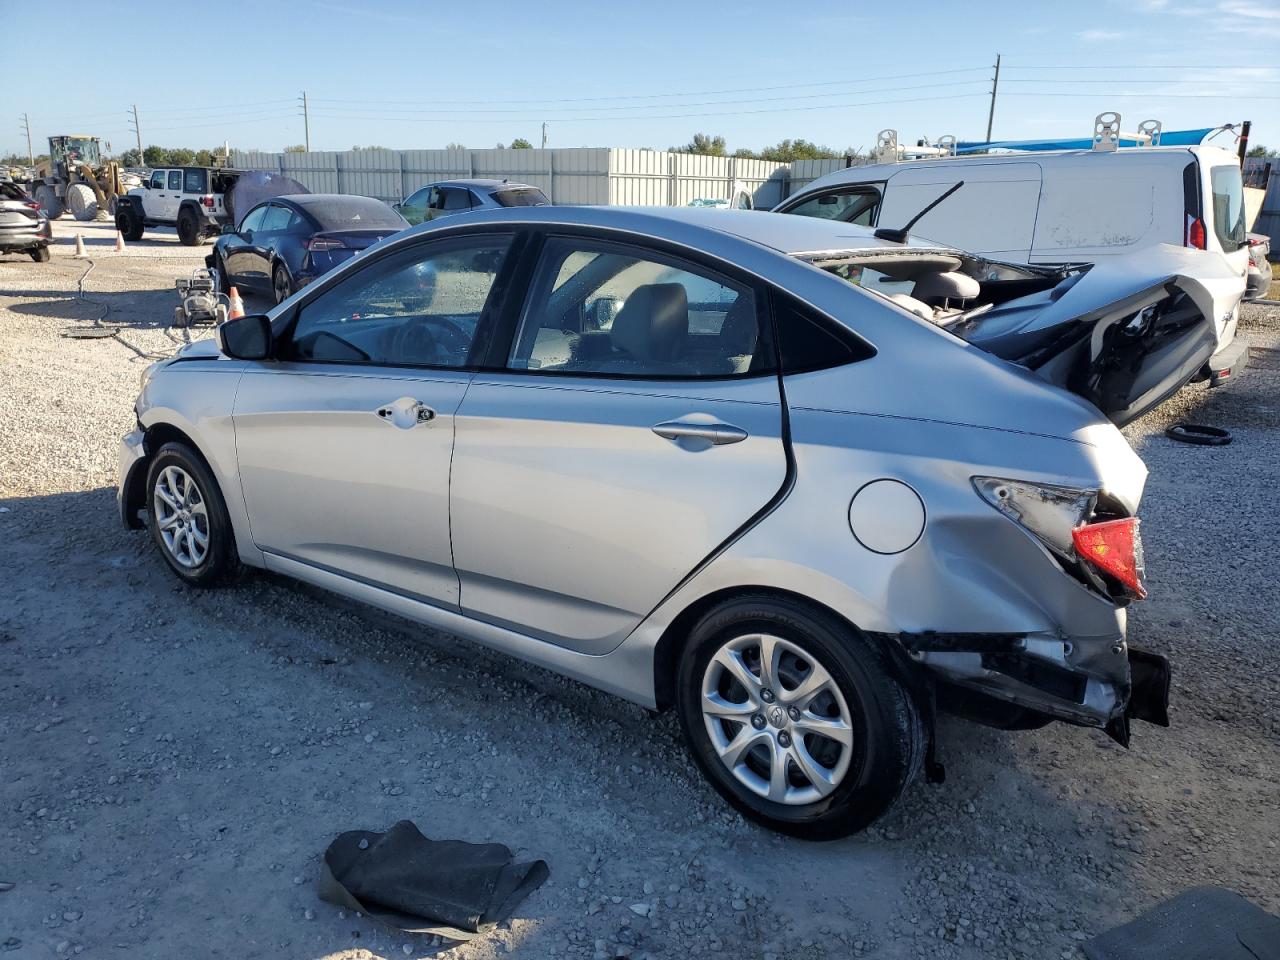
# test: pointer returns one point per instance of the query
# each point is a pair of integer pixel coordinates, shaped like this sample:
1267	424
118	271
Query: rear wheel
796	719
47	197
281	285
39	254
188	518
189	229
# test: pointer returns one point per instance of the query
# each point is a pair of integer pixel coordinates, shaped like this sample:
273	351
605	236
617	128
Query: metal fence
583	175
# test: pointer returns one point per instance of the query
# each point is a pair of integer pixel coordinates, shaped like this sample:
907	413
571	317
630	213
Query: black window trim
489	313
498	355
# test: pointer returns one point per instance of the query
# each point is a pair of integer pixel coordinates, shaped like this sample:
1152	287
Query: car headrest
934	288
654	322
739	329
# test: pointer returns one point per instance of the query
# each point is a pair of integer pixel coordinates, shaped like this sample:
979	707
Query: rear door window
1227	188
195	181
455	199
175	180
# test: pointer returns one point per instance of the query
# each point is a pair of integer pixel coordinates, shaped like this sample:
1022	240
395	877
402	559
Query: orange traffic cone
80	245
119	242
237	305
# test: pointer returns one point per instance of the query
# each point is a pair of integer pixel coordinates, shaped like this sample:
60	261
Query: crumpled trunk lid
1124	334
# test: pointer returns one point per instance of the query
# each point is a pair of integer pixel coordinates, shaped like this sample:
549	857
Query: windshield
355	213
83	149
1228	207
520	197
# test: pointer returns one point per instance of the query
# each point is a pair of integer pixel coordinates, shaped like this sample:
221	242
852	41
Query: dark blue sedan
284	243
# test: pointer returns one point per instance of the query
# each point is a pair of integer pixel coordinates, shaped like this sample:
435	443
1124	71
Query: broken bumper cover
1228	362
132	456
1090	681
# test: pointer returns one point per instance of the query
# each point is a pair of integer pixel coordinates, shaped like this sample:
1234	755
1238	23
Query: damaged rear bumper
1091	681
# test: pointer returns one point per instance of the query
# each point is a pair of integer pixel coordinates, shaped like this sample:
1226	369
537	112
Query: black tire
888	742
189	232
224	281
281	283
39	254
129	224
220	563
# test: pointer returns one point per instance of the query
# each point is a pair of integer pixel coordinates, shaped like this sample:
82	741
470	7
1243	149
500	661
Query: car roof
786	233
316	199
479	183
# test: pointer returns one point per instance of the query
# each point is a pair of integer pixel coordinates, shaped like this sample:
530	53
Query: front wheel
129	224
188	518
795	718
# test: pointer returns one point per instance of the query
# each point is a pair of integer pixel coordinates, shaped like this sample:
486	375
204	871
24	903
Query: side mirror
245	338
397	205
227	228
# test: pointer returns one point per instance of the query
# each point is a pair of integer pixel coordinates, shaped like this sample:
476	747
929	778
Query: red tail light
1195	233
320	244
31	204
1115	548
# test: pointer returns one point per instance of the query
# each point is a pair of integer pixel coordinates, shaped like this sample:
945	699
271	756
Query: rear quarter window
520	197
809	341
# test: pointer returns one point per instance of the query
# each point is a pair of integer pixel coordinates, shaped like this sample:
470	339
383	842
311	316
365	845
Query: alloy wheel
181	516
280	285
776	719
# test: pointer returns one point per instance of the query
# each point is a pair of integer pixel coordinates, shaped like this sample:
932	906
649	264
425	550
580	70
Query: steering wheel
415	343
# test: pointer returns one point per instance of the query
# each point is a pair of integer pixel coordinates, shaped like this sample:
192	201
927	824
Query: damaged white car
680	456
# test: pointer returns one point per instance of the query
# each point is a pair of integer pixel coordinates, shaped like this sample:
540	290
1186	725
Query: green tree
155	156
182	157
454	146
1261	151
295	148
787	151
520	143
712	146
131	158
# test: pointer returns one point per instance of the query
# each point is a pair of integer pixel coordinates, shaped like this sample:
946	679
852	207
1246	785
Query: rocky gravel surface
173	763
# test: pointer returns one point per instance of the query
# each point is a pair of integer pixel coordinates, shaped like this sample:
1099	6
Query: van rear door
993	214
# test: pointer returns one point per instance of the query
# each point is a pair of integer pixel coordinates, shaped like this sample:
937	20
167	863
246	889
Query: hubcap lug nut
793	713
766	695
784	739
758	721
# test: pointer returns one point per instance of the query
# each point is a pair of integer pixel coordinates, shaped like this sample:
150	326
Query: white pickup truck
192	199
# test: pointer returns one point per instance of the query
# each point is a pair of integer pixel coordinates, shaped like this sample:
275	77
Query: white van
1059	207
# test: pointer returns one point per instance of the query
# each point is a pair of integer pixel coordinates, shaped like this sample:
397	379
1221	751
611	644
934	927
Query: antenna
899	234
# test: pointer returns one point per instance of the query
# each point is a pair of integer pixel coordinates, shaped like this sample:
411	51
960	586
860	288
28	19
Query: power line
1148	94
665	116
667	96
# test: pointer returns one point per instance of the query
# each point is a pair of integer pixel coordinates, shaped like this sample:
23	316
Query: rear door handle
717	433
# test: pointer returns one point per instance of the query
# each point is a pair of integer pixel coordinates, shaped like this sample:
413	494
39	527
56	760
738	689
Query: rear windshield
354	213
520	197
9	191
1228	207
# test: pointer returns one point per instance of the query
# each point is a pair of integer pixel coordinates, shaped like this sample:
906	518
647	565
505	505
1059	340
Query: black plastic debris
1203	923
408	881
1198	433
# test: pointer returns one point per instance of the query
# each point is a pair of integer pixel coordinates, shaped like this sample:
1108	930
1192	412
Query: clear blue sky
644	73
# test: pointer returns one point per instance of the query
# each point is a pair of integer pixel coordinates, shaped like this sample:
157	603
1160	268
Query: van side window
1228	207
845	205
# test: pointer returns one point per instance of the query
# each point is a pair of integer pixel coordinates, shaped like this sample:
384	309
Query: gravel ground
174	762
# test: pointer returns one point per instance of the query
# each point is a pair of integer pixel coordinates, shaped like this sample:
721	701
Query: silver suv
699	459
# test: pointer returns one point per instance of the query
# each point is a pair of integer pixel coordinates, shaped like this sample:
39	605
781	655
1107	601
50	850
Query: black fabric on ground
1203	923
411	882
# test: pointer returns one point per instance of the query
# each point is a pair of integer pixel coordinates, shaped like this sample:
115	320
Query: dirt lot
173	763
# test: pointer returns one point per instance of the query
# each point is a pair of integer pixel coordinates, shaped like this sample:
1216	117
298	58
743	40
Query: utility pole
306	120
995	85
544	134
138	130
26	125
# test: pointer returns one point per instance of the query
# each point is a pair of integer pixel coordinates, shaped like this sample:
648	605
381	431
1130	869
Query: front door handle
716	433
406	413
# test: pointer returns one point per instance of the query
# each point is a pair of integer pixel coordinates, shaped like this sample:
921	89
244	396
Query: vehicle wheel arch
153	438
666	657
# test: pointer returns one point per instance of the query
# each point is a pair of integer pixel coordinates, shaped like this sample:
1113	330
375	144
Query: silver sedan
801	484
